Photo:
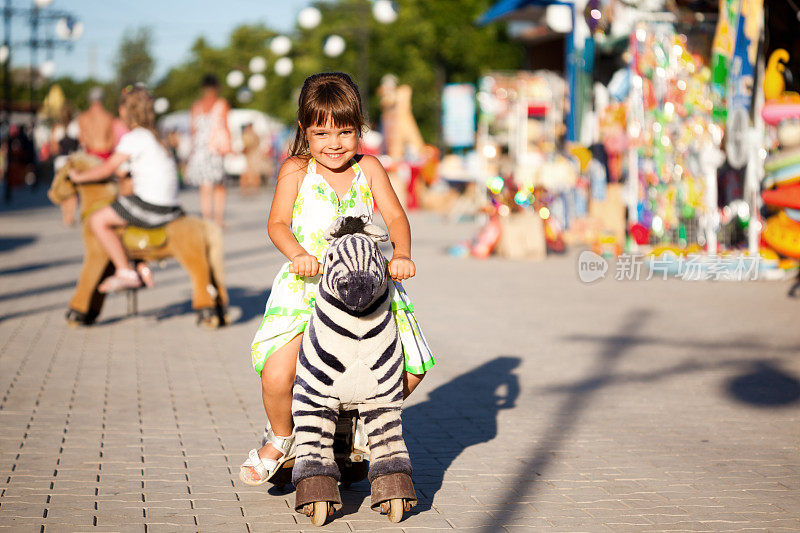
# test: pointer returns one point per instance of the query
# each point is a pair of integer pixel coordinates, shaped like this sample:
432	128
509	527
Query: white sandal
266	468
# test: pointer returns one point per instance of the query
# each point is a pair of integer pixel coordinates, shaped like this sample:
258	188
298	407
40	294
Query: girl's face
332	146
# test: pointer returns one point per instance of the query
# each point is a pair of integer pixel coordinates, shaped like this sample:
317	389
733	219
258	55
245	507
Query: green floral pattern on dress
298	234
292	298
318	244
297	210
297	285
349	200
319	191
366	195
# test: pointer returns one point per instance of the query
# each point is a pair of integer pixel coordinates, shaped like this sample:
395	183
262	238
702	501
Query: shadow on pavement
27	198
466	409
765	385
579	397
8	244
33	267
36	310
44	289
249	301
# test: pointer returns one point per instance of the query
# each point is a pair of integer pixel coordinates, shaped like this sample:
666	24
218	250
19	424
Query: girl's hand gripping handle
401	267
305	265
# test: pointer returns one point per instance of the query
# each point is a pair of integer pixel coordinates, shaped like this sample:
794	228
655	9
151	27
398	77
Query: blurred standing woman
210	141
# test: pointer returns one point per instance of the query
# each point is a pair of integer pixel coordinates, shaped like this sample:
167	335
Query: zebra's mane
349	226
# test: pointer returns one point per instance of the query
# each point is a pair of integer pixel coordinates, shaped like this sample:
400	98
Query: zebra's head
354	269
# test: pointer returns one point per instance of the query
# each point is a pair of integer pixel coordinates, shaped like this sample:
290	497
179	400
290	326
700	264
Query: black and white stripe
351	356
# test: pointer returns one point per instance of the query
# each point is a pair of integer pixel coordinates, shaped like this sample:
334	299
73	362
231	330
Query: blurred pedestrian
64	137
96	126
20	159
250	180
210	142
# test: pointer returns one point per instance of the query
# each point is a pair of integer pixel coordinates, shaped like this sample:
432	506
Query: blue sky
175	23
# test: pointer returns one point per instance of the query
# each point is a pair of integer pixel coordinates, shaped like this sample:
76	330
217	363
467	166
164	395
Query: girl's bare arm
101	171
401	266
279	223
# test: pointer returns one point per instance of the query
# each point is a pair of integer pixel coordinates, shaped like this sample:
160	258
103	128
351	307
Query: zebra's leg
315	473
390	467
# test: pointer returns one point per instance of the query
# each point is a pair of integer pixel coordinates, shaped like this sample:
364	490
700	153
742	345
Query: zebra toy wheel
318	511
396	510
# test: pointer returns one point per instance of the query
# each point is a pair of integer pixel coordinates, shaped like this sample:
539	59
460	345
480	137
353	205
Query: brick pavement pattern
555	405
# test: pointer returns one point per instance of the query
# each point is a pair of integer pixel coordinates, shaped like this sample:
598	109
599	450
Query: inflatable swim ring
783	197
782	234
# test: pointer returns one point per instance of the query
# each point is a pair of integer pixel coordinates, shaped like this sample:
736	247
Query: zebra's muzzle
357	290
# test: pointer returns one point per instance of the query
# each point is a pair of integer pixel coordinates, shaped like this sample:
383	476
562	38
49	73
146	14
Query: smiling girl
323	179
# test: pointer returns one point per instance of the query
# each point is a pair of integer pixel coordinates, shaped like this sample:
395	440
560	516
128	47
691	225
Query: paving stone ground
554	406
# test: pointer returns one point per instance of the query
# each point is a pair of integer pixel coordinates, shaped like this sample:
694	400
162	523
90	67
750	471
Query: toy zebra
351	357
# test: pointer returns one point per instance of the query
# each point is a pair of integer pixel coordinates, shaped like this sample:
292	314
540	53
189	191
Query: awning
505	8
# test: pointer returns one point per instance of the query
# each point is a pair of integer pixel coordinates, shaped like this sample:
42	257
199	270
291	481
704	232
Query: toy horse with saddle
196	244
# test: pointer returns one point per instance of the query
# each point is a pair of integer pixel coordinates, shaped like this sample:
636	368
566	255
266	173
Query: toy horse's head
91	194
354	269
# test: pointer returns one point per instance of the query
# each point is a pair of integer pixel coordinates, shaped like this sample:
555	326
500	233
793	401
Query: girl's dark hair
326	95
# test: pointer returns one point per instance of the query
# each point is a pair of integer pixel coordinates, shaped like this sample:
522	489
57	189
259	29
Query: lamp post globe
309	18
47	69
257	82
161	105
234	78
284	66
280	45
68	29
334	46
384	11
257	65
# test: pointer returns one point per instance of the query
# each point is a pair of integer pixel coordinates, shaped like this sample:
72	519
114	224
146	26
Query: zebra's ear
375	233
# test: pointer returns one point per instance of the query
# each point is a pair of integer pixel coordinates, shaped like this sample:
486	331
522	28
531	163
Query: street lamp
234	78
334	46
283	66
280	45
257	65
256	82
384	11
69	29
38	11
309	18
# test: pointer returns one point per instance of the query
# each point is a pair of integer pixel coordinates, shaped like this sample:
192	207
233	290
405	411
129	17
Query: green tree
430	44
134	61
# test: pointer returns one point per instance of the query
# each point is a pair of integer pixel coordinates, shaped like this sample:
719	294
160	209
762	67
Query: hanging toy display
669	121
781	182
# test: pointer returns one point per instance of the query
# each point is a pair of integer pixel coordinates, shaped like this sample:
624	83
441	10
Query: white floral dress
292	297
